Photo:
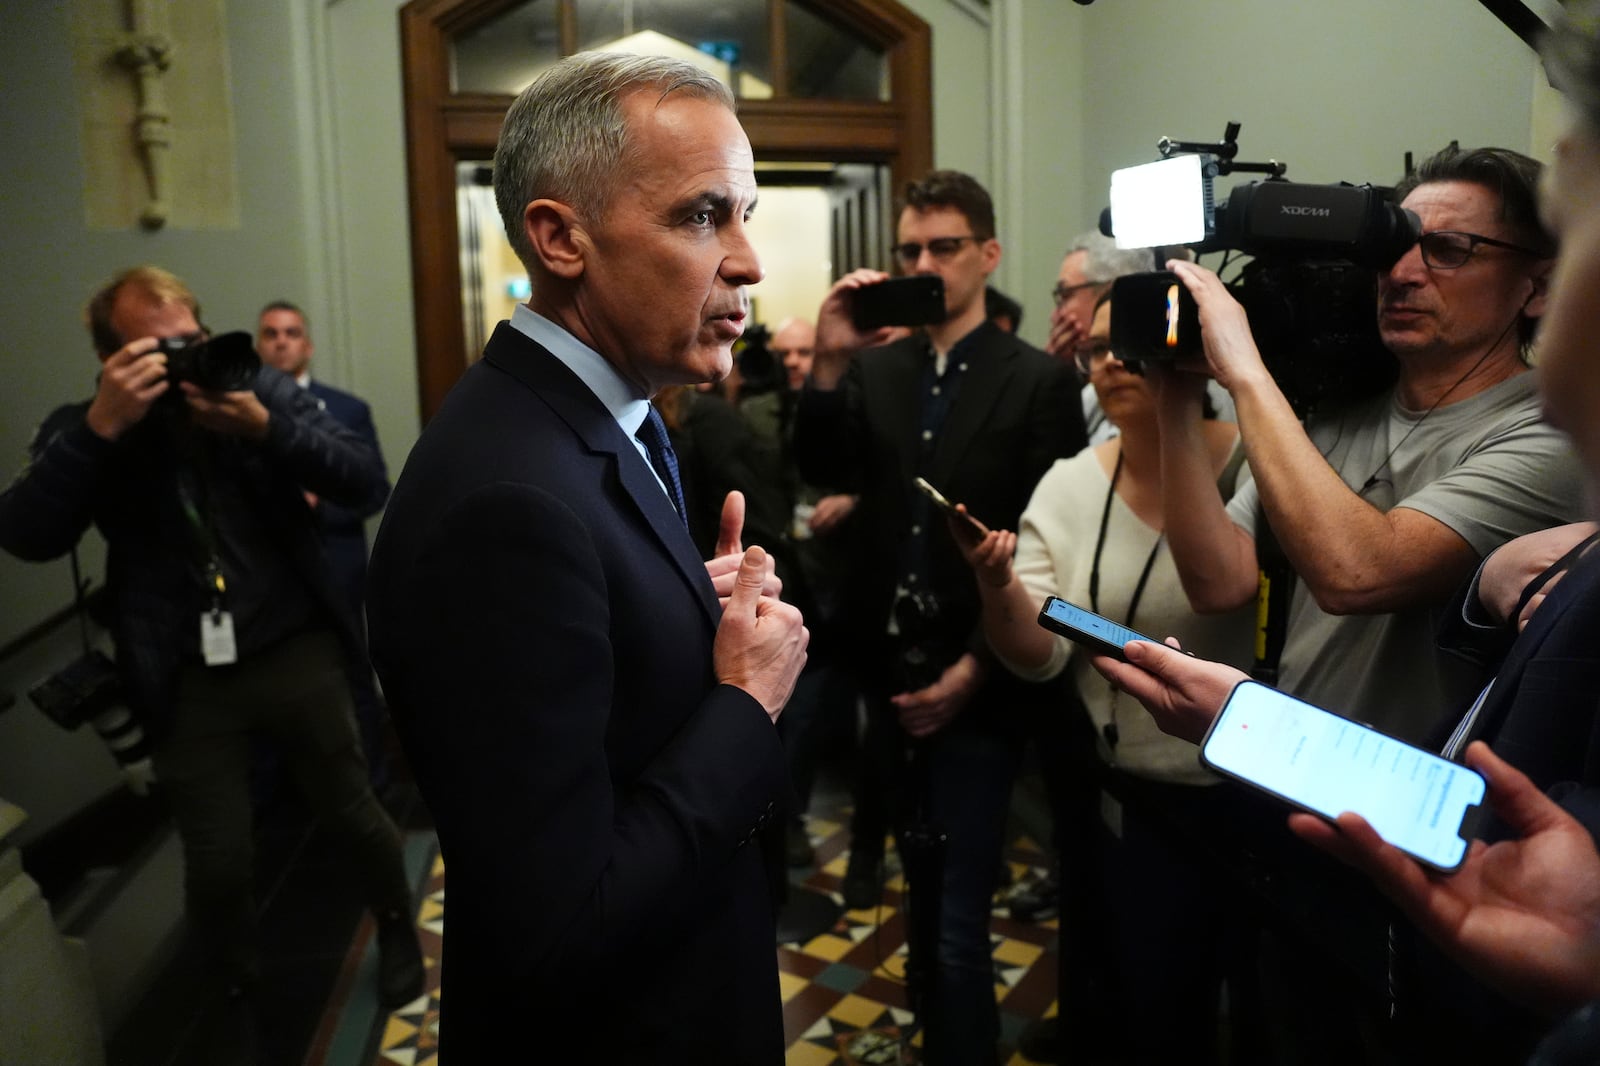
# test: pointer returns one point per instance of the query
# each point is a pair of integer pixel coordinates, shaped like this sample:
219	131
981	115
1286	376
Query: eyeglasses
1090	353
938	247
1447	249
1062	293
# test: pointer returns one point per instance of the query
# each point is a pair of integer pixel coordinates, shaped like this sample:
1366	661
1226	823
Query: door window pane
828	62
507	52
728	38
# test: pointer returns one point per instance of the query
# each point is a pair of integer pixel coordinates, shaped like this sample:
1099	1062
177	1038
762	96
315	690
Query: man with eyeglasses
981	415
1384	508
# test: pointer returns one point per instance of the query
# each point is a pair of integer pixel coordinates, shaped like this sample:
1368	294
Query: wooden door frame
444	128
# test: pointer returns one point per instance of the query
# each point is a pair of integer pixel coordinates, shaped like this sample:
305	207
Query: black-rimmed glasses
1447	249
938	247
1062	293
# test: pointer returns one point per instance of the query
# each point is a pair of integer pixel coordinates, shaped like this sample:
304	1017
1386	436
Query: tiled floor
843	991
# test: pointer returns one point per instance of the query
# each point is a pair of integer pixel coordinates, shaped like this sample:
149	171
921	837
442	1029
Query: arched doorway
846	82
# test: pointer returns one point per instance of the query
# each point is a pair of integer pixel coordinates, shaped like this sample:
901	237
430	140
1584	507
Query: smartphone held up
917	300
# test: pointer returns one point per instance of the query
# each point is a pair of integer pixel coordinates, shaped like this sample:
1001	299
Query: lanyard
1109	730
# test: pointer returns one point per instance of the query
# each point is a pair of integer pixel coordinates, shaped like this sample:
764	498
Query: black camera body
225	363
80	691
1310	291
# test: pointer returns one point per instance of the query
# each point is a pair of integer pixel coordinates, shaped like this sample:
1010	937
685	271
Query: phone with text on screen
1096	632
1422	803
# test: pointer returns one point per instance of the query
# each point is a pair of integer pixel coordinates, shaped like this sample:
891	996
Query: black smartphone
946	506
917	300
1153	316
1422	803
1094	631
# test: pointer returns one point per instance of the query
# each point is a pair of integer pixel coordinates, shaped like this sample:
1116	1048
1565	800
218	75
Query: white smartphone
1422	803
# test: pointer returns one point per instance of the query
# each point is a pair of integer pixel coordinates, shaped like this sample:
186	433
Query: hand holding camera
132	379
1230	347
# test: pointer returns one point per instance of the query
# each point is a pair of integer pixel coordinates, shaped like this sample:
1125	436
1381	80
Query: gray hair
565	137
1103	261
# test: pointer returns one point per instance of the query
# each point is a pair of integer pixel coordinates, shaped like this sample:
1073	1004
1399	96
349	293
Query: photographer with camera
981	415
190	460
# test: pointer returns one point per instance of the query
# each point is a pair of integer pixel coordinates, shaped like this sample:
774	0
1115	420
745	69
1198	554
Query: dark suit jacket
1543	713
543	628
344	530
1016	413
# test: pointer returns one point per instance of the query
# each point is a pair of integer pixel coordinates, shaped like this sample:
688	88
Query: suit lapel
567	395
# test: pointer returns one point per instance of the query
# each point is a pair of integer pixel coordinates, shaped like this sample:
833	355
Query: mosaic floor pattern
844	996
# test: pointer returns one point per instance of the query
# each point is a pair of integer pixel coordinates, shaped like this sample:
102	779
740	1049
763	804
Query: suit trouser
297	695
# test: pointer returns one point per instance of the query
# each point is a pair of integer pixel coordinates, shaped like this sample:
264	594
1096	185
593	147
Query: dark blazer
129	491
344	530
543	628
1016	413
1543	713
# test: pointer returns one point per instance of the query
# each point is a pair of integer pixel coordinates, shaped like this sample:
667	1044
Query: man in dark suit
981	415
283	337
592	731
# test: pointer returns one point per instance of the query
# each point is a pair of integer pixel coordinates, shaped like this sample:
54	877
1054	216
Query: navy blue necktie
652	434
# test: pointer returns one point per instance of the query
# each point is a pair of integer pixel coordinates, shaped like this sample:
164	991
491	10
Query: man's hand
234	414
723	567
830	511
761	643
837	337
1522	914
1231	351
1181	692
131	380
1512	566
928	710
1067	332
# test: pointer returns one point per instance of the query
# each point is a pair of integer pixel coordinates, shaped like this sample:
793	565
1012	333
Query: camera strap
1275	586
78	602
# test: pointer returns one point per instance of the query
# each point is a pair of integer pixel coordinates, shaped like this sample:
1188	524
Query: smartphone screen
917	300
1420	802
1095	631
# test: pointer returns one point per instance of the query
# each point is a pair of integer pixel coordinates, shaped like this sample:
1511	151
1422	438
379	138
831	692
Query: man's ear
1539	279
991	255
557	237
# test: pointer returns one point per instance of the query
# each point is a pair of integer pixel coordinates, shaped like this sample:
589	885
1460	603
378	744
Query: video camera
1309	291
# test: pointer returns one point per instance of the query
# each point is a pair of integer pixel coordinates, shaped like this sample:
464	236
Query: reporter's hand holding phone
838	339
1182	693
1522	914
